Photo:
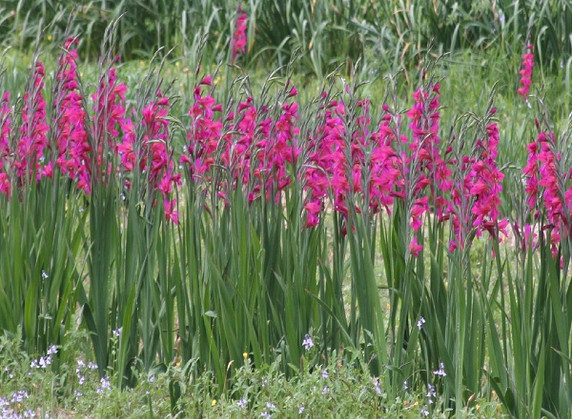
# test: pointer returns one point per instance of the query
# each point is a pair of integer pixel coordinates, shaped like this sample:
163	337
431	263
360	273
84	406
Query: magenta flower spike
239	36
526	72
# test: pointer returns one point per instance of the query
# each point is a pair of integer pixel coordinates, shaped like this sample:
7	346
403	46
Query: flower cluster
239	36
12	407
427	175
345	161
44	361
526	72
475	199
254	144
5	149
545	181
73	146
30	159
89	148
147	153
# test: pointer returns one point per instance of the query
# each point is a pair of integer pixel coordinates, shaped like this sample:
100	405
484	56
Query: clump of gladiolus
345	162
83	145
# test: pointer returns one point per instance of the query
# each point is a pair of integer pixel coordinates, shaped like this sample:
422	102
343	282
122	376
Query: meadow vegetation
287	208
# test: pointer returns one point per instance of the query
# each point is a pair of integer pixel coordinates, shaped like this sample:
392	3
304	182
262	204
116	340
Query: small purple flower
301	410
308	343
420	323
242	403
424	412
326	390
270	405
325	374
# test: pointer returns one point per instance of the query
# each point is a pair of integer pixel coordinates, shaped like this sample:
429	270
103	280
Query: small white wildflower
441	371
376	386
431	391
326	390
117	332
20	396
307	343
420	323
52	350
424	412
105	385
151	379
92	365
325	374
242	403
301	410
405	385
270	405
44	362
44	275
265	414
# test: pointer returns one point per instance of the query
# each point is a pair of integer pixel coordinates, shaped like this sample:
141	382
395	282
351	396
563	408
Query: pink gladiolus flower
33	139
526	72
72	142
239	36
475	198
544	178
414	247
5	149
108	118
170	212
203	136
